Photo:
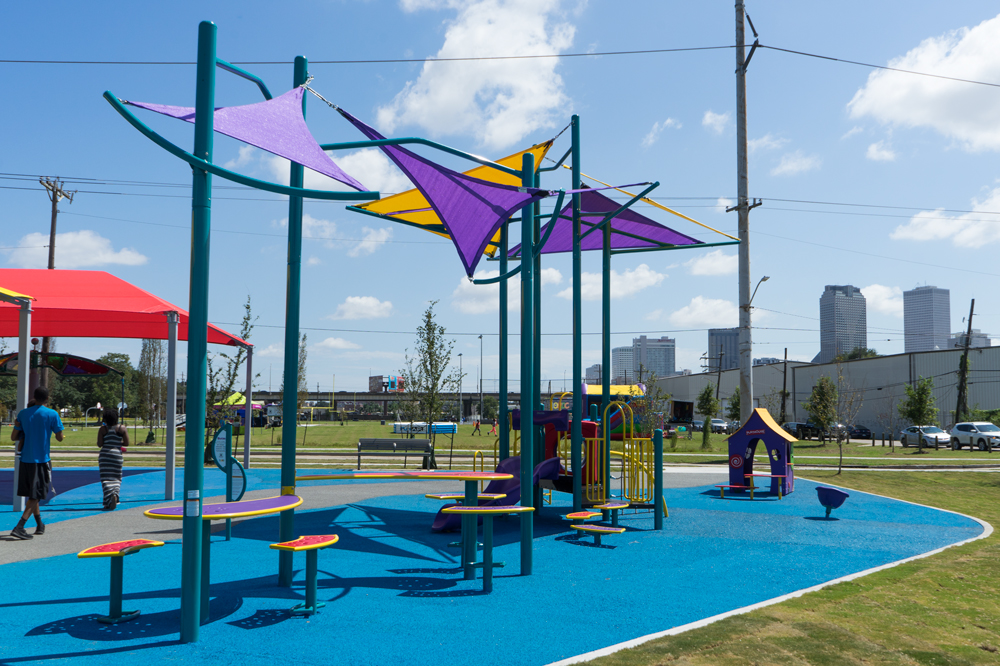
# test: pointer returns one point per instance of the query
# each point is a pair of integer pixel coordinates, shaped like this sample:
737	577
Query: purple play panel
276	126
228	509
470	209
628	229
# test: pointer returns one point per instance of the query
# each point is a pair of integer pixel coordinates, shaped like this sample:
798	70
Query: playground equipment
831	498
761	428
311	544
236	478
117	552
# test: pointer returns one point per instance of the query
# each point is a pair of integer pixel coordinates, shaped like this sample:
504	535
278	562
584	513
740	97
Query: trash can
383	422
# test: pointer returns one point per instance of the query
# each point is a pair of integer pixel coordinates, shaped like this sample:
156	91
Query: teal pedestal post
469	525
310	606
527	367
197	350
503	421
206	572
487	553
658	479
289	399
115	612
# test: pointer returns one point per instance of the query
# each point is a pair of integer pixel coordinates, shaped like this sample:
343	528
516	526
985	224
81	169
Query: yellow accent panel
414	201
615	389
287	490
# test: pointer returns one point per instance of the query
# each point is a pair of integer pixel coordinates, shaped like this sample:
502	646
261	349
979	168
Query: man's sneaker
20	533
40	530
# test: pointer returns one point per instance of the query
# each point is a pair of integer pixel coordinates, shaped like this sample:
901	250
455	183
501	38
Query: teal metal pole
606	357
658	479
289	400
197	361
576	435
536	390
504	447
527	368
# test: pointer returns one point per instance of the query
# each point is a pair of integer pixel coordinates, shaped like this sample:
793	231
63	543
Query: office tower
622	368
655	356
843	322
727	342
926	319
593	375
978	339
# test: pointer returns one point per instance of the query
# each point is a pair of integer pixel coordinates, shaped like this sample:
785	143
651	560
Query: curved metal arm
199	163
233	69
552	225
351	145
498	278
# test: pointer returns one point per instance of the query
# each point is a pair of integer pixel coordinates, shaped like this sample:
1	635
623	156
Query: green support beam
197	350
527	370
576	434
290	399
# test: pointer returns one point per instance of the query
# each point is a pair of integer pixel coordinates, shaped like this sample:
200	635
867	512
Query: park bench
396	447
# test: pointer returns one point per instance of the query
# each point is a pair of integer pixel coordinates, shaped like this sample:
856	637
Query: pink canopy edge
93	304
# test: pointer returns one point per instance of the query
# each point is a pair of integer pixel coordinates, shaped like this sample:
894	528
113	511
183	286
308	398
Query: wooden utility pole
55	190
784	388
962	408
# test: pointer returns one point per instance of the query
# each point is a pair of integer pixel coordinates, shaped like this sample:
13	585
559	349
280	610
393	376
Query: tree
491	408
849	401
822	404
151	380
733	409
918	407
708	406
223	373
771	401
648	410
856	353
426	373
107	390
302	387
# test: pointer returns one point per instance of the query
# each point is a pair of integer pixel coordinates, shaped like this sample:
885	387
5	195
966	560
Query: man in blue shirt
32	431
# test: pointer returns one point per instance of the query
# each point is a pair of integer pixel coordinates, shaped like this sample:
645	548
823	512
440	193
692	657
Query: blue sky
820	131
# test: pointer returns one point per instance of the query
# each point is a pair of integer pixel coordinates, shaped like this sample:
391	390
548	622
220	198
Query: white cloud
851	132
716	262
498	101
470	298
766	142
880	151
704	312
882	299
722	204
246	155
372	240
74	249
551	276
270	351
715	121
658	127
362	307
313	261
314	229
623	285
968	230
373	356
797	162
655	315
961	111
369	166
335	344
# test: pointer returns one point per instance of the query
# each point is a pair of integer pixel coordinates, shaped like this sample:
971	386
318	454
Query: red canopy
92	304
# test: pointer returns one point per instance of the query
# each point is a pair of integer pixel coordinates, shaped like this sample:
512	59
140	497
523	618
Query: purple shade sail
628	230
276	126
470	209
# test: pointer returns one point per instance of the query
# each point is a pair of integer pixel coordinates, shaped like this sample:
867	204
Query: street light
461	411
746	369
763	279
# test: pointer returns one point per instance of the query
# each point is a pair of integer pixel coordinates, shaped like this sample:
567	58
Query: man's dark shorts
34	480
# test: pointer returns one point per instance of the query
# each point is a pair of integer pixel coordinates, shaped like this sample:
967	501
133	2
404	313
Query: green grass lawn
944	609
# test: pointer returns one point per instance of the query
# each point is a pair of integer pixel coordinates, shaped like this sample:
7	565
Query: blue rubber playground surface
395	593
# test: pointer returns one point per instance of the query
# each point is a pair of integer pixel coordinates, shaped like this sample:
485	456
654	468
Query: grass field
944	609
79	447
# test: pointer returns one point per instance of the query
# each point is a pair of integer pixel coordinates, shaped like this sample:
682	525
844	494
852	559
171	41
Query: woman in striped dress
112	438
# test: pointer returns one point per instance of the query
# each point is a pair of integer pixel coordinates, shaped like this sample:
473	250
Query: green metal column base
206	560
115	612
614	518
310	606
487	553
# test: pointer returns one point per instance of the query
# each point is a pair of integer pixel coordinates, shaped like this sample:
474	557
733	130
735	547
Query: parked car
720	426
801	430
932	436
860	432
983	435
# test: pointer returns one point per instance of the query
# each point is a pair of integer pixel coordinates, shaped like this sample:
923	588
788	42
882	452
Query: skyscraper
656	356
926	319
622	367
843	322
726	341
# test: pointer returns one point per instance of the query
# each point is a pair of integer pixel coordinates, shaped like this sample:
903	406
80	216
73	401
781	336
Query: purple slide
547	469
